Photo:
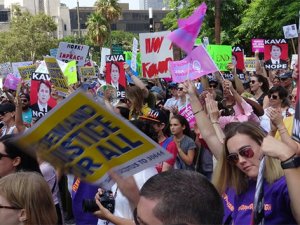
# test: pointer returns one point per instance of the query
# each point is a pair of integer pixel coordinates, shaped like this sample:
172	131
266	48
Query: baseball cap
156	115
7	107
285	75
157	90
172	85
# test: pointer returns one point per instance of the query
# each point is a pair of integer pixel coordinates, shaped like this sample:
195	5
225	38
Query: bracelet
289	158
197	112
282	129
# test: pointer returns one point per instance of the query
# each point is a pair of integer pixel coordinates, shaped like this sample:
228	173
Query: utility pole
218	21
78	21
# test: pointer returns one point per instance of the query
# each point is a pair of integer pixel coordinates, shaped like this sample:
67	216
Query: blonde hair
30	191
227	175
136	96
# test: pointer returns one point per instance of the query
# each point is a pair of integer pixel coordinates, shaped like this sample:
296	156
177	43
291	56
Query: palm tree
98	28
110	9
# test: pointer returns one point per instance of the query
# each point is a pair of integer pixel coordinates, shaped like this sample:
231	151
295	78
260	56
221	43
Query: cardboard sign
250	64
70	72
11	82
134	54
276	54
53	52
115	73
85	139
26	71
294	61
156	52
258	45
128	57
57	77
41	100
187	113
5	69
88	72
104	53
221	54
290	31
15	66
69	51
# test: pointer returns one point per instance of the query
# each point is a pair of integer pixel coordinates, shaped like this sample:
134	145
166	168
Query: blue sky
133	4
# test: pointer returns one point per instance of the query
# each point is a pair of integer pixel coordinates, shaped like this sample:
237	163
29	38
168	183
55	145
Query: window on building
113	26
65	27
3	16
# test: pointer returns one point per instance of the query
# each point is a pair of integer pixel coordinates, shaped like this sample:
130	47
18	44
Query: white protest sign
156	53
290	31
134	54
294	61
15	66
104	53
69	51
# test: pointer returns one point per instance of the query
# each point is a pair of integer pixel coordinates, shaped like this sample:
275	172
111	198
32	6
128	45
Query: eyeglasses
253	81
293	97
3	113
3	155
274	97
180	89
9	207
213	85
246	152
24	100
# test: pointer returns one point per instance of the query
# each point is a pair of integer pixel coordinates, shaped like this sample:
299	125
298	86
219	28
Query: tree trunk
218	21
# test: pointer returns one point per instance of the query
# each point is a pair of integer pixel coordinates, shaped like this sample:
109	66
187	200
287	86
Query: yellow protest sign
26	71
250	63
87	140
88	72
57	77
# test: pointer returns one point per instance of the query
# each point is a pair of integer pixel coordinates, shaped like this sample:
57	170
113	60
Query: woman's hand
275	116
189	88
212	108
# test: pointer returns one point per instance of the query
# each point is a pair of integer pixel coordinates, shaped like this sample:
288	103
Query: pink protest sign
188	114
11	82
258	44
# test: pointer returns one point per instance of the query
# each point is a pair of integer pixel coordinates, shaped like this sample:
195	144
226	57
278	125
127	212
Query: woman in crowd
186	146
13	159
25	199
259	87
7	117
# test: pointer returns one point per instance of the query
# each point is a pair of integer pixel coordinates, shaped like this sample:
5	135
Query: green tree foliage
110	9
122	37
29	38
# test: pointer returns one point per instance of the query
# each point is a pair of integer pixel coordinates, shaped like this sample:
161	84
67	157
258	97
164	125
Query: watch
294	162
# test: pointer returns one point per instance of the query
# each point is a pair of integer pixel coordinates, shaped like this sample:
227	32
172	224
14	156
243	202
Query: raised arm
204	124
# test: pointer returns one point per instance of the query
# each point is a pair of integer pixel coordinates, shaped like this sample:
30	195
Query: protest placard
156	52
69	51
238	62
276	54
195	65
11	82
85	139
57	77
294	61
15	66
26	71
115	73
70	72
5	69
88	72
134	54
258	45
104	53
53	52
41	99
250	64
187	113
221	54
290	31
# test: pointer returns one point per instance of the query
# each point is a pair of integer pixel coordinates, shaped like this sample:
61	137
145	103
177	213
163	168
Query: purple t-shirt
238	208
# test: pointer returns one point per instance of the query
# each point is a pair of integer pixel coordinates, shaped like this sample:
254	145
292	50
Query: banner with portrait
115	73
276	54
239	62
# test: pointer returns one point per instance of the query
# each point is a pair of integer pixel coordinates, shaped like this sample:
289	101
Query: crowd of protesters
236	124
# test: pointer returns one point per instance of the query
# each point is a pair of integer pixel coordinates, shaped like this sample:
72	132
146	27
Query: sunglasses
3	155
253	81
246	152
3	113
213	85
9	207
180	89
24	100
275	97
283	79
293	97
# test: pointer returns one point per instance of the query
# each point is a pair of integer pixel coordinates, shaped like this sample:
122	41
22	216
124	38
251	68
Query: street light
151	28
78	21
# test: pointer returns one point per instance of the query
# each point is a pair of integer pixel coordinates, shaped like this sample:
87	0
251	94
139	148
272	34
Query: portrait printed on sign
290	31
40	95
239	63
115	73
276	54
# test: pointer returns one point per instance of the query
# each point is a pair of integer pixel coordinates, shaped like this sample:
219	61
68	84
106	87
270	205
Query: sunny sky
133	4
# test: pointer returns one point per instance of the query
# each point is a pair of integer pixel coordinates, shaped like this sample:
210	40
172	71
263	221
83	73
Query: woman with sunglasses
7	117
237	171
25	199
259	87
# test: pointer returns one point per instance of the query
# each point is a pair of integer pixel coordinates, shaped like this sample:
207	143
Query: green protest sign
221	54
128	56
71	72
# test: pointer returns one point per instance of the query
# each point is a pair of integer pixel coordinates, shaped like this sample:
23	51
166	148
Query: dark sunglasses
275	97
3	113
253	81
9	207
283	79
180	89
213	85
3	155
293	97
246	152
24	100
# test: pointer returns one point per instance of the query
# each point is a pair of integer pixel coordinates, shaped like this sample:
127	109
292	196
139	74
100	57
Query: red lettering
153	44
152	69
